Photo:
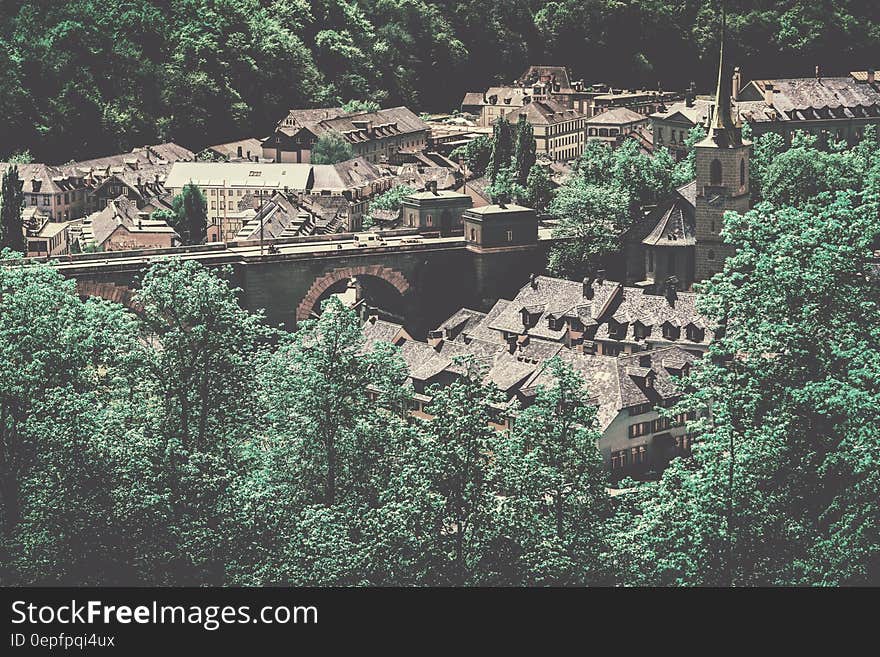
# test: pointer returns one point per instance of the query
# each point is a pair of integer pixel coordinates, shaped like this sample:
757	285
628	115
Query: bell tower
722	177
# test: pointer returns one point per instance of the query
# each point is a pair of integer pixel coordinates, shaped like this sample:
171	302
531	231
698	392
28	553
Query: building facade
385	135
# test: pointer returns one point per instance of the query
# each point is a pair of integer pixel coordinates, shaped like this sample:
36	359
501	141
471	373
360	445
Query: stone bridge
423	281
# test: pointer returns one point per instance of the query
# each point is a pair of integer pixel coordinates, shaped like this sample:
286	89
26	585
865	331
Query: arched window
715	172
742	172
711	254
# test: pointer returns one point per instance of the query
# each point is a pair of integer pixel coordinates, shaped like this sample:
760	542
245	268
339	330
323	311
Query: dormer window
616	330
695	334
671	332
555	323
640	331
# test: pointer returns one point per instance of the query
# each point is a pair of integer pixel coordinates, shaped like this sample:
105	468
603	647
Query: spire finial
723	126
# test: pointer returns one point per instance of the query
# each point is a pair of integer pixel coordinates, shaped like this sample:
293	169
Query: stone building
671	125
828	107
614	125
432	210
560	133
682	237
499	227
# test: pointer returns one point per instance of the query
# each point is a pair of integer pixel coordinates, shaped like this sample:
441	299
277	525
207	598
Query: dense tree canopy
86	78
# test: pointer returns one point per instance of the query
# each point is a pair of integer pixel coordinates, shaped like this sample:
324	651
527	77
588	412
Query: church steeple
723	130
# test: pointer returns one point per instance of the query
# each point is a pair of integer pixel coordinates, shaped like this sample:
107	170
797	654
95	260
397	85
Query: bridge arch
331	278
121	294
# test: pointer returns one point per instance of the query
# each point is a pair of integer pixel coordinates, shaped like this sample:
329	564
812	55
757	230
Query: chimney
600	276
871	75
768	93
645	360
239	152
431	186
818	73
533	281
671	290
511	343
689	95
588	287
435	340
156	179
737	83
140	183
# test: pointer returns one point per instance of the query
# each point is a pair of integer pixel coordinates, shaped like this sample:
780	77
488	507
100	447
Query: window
641	408
640	331
671	332
639	454
473	235
695	334
46	199
213	205
618	459
510	236
711	254
742	172
662	424
639	429
611	349
429	220
715	172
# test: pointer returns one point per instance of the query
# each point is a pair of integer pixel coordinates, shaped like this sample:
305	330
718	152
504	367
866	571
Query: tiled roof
383	123
559	75
818	98
558	298
617	116
673	222
548	112
98	226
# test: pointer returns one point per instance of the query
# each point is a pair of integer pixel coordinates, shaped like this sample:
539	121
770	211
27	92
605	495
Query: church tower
722	176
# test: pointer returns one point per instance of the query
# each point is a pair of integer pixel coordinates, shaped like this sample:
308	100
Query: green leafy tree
539	188
502	148
331	148
456	445
354	106
524	150
591	222
190	218
553	485
11	201
57	369
476	155
390	200
505	189
778	488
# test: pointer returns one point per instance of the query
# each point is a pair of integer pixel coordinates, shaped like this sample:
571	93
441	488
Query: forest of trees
85	78
189	443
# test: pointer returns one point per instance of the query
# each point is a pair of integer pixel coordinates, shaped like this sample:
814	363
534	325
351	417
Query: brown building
121	226
385	135
435	210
